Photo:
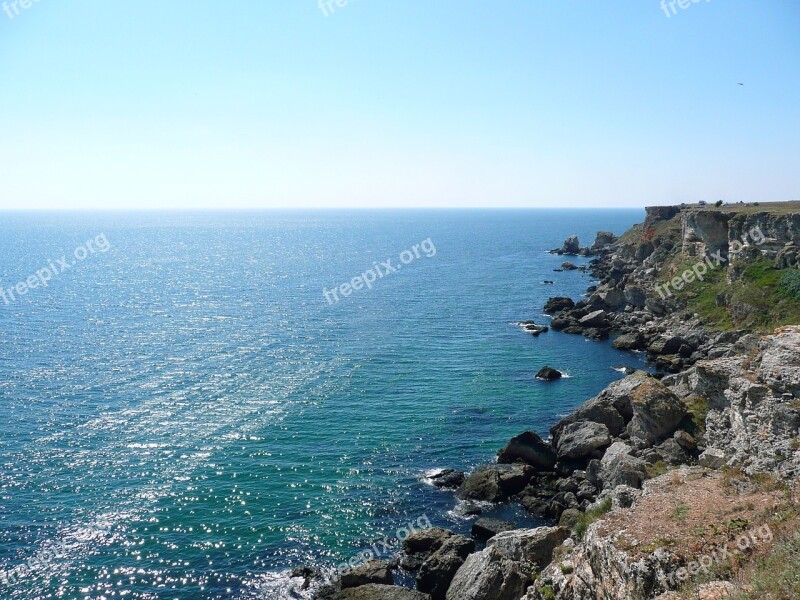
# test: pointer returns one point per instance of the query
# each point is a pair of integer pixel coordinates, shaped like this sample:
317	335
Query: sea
194	404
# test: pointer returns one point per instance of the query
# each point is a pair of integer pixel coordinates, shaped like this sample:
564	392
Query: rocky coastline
717	402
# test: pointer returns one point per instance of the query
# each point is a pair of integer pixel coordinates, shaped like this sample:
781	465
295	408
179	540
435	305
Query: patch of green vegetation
592	515
695	420
547	592
567	569
755	300
776	574
656	469
738	525
680	512
790	283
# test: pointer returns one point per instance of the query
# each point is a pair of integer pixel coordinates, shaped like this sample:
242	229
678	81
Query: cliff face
753	423
704	232
753	413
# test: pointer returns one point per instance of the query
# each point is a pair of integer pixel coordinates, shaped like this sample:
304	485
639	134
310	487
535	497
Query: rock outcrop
504	570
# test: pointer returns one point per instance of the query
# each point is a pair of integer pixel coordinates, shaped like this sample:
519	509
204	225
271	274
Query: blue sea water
185	415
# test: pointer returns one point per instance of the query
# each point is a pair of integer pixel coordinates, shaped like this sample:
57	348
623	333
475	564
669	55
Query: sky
375	103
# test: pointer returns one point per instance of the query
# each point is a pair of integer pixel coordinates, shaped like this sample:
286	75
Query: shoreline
599	457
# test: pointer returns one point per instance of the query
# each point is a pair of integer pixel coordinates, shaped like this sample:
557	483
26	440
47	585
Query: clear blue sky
179	104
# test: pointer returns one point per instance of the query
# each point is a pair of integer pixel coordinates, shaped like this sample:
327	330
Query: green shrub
592	515
790	283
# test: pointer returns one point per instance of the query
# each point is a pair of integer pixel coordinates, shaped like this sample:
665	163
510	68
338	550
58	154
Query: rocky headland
649	487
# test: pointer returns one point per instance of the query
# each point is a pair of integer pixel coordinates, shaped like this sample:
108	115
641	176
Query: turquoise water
185	416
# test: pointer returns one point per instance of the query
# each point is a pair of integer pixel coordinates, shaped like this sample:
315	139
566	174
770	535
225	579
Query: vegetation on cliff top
758	297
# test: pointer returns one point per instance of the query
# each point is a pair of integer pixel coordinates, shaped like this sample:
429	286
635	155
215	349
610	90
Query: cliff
681	480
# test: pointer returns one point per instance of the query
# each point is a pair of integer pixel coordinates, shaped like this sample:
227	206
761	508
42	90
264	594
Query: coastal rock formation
581	439
447	479
529	448
571	246
483	529
753	412
495	483
374	571
548	374
438	570
380	592
420	545
718	399
602	240
657	411
504	570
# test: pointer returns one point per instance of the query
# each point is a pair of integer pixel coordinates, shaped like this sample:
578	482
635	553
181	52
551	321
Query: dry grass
695	515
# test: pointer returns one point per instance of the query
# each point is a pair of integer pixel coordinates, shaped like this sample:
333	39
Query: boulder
613	298
686	440
629	341
548	374
420	545
447	479
495	483
483	529
504	570
665	345
532	546
569	518
488	575
529	448
439	568
571	245
635	296
375	591
534	329
558	304
598	318
713	458
374	571
657	411
672	452
603	239
619	467
611	407
581	439
568	266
